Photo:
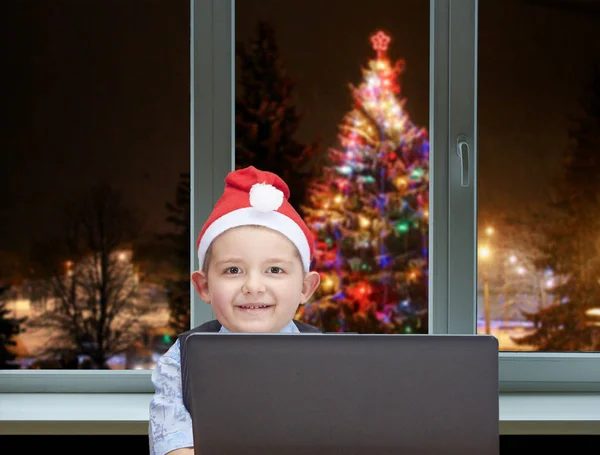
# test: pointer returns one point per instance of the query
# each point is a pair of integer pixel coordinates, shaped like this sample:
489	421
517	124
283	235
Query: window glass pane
335	100
539	174
95	145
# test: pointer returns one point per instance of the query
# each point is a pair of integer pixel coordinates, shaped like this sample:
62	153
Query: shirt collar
289	328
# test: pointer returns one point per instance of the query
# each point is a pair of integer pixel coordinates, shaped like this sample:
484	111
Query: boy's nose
253	284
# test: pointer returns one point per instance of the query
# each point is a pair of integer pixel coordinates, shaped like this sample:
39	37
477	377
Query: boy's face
255	280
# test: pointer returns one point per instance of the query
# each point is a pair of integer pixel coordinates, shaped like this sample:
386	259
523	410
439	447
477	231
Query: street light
593	312
484	254
512	259
69	266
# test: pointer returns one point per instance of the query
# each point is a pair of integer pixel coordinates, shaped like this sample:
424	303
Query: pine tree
9	328
369	213
266	117
572	245
179	240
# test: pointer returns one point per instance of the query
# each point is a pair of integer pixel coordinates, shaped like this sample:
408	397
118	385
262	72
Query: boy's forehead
248	236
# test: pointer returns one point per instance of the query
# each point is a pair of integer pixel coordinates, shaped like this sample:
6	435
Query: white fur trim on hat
251	216
265	197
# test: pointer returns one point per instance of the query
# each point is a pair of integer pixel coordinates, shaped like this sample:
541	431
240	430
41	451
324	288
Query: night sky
99	90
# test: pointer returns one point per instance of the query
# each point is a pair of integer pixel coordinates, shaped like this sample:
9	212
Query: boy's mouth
254	306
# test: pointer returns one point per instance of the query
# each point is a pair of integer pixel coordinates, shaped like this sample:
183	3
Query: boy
255	253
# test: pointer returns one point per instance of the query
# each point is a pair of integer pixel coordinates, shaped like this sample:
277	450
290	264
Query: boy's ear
309	286
201	285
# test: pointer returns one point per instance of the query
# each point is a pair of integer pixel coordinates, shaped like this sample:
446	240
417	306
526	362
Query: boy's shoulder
214	326
210	326
306	328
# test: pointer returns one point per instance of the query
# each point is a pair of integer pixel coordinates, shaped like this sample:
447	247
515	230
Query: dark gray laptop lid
350	394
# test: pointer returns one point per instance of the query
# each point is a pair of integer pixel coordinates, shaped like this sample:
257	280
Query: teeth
253	307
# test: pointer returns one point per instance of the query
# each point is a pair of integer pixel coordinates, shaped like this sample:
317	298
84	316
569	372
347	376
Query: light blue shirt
170	425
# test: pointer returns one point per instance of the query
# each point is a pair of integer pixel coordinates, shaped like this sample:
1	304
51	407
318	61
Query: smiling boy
255	253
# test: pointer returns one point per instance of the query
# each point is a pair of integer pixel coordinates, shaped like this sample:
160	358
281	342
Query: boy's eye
232	270
275	270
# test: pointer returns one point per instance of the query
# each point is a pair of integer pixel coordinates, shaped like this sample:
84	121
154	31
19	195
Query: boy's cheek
219	301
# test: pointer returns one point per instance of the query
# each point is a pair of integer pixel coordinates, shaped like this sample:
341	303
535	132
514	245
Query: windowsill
121	414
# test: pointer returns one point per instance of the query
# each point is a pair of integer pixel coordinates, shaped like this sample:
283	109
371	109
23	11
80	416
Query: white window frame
453	208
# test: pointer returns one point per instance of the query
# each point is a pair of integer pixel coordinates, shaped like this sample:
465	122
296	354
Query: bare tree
90	271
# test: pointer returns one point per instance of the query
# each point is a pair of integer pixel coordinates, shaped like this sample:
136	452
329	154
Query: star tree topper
380	43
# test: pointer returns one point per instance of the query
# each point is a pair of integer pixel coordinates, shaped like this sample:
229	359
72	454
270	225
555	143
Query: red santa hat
258	198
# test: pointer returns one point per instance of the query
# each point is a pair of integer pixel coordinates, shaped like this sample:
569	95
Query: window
341	113
538	115
97	144
456	107
538	108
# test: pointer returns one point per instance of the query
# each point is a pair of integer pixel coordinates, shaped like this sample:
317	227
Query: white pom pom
265	197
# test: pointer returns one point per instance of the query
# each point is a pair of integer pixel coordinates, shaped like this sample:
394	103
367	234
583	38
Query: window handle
462	150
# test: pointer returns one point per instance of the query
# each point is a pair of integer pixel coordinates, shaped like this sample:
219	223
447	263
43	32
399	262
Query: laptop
343	394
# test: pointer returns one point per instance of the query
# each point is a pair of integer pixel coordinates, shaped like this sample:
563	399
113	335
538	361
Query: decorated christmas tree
369	213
